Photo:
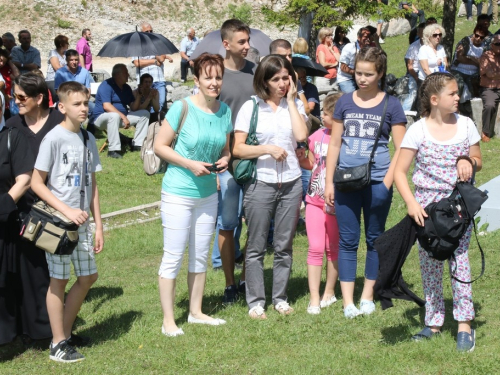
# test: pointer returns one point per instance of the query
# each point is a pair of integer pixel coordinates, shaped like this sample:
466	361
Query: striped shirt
155	70
31	56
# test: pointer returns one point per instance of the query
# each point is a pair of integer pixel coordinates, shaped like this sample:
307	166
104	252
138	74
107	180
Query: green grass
122	311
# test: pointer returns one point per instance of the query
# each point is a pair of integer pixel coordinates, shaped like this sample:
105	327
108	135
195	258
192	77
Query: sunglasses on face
496	44
437	35
148	31
21	98
480	36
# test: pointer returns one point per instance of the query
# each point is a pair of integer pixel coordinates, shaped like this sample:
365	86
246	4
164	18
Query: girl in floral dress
445	146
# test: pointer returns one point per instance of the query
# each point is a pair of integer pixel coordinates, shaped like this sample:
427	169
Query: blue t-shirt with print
360	130
202	138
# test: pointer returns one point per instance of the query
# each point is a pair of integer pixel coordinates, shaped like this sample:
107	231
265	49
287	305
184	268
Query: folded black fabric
393	247
7	206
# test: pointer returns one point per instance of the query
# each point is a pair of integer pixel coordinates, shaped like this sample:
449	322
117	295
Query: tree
449	15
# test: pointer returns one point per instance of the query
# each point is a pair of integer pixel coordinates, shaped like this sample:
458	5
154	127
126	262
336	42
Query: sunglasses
148	31
437	35
21	98
480	36
496	44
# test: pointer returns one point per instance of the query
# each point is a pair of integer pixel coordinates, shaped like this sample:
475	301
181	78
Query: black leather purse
359	177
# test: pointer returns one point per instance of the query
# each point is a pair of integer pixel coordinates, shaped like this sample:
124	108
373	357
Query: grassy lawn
122	312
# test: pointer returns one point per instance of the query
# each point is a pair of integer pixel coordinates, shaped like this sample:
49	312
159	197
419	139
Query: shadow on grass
20	345
111	328
103	294
415	322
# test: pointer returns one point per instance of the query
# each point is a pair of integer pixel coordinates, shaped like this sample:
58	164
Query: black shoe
242	288
240	259
135	148
63	352
114	155
230	295
79	341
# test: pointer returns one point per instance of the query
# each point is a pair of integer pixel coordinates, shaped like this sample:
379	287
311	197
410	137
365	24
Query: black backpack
449	219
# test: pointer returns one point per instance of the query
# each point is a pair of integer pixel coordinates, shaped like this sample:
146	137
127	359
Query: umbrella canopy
312	68
212	43
137	44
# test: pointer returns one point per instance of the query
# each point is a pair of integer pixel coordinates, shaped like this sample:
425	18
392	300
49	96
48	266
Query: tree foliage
330	13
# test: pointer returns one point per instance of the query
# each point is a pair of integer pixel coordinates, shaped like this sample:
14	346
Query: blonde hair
300	46
433	85
429	30
330	102
323	32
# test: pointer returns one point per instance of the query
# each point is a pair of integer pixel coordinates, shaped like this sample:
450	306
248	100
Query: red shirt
6	72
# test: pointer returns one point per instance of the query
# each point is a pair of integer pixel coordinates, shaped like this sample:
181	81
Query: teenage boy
59	164
237	89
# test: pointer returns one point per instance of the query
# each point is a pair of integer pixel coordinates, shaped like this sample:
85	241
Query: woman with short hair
328	55
277	190
57	60
189	190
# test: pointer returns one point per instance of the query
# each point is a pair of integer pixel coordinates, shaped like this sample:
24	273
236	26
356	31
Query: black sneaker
63	352
79	341
114	155
230	295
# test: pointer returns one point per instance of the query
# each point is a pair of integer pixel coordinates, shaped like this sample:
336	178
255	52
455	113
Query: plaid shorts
83	258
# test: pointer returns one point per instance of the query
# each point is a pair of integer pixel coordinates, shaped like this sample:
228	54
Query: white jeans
112	122
186	219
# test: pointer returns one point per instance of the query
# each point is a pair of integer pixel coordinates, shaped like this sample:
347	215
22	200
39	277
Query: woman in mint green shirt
189	188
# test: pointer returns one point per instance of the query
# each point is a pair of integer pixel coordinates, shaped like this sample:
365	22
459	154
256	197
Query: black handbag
359	177
48	228
245	170
448	220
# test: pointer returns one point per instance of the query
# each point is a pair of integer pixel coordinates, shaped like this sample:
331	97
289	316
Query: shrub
242	12
63	24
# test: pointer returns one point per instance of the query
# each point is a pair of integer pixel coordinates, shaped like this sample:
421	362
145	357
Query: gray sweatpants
112	122
263	202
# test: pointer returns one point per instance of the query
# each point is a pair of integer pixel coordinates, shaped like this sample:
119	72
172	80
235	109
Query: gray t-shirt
61	156
237	87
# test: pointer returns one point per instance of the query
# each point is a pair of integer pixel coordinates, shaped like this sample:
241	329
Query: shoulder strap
83	172
254	119
379	132
184	113
10	153
483	262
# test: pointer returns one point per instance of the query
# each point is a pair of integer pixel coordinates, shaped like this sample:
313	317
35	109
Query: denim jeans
375	202
160	86
468	8
229	214
347	86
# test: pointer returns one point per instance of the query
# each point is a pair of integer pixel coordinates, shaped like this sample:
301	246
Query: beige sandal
283	308
257	312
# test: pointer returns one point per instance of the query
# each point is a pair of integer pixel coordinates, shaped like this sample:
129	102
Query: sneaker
366	307
327	302
63	352
313	310
240	259
381	41
114	155
79	341
351	311
466	342
230	295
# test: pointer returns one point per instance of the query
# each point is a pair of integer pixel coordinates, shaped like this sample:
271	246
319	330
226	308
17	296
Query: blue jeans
347	86
229	214
409	98
305	178
160	86
375	202
468	8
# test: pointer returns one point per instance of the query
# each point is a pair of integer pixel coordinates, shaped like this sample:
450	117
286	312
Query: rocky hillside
108	18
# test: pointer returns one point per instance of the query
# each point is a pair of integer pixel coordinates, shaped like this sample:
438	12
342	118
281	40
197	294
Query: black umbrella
212	43
312	68
137	44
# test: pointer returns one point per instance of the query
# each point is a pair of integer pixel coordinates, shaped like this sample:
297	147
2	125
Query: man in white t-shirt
345	76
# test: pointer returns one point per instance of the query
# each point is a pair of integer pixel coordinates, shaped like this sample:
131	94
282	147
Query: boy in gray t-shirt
59	164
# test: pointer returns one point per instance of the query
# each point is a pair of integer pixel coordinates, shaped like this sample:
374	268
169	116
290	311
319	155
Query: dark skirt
24	280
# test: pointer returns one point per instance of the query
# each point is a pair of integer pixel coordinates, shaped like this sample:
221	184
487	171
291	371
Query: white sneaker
313	310
381	41
328	302
366	307
351	311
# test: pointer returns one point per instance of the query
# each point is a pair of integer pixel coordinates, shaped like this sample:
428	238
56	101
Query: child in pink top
321	222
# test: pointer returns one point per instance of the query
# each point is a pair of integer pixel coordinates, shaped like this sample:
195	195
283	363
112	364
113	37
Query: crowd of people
43	149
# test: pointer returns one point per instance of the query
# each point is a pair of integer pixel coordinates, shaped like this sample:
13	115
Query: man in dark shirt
111	112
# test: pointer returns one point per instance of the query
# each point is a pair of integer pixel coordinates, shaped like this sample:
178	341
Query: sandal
283	308
425	334
257	312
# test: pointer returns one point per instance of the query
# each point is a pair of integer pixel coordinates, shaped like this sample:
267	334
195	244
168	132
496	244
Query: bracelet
465	157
